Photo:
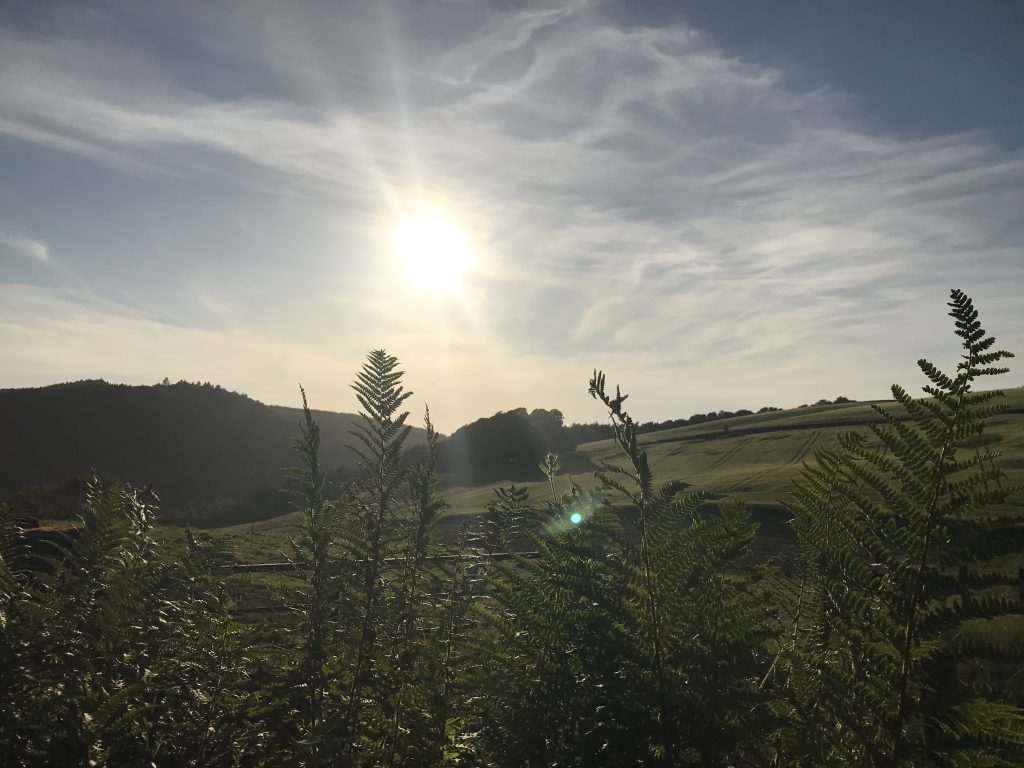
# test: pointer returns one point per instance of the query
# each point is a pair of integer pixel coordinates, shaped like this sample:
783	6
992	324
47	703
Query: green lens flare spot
576	518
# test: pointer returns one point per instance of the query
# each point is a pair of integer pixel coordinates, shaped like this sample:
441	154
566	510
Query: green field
753	458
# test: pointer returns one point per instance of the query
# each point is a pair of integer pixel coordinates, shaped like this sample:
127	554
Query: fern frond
892	546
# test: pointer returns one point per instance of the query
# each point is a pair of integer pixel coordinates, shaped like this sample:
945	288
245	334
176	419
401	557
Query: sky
720	204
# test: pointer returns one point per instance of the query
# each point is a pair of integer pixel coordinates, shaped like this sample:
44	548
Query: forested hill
194	444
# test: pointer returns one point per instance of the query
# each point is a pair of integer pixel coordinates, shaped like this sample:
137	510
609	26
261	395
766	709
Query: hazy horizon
722	206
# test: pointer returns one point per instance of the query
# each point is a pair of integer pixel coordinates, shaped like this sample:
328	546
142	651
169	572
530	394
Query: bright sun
433	250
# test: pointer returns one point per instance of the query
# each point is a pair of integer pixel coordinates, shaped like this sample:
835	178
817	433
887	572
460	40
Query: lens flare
573	510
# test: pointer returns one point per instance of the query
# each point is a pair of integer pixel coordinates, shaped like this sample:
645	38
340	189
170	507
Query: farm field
752	458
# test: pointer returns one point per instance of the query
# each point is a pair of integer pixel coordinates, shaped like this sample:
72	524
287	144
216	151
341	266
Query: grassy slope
753	458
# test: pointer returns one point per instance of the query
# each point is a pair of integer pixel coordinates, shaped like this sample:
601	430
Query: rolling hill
203	448
192	444
753	458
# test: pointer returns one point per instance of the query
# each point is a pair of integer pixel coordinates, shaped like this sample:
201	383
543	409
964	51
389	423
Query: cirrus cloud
638	197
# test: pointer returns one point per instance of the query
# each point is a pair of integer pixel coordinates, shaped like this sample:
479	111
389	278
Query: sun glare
433	250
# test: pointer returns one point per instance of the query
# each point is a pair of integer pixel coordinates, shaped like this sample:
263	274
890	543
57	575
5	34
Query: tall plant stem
652	601
446	663
910	621
625	434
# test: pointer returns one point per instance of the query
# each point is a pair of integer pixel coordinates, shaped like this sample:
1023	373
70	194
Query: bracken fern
895	542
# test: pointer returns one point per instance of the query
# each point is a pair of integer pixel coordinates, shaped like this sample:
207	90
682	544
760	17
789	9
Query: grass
753	458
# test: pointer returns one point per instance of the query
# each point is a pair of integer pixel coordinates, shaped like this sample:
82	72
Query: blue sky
722	204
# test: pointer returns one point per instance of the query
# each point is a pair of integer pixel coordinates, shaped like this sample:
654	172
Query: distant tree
586	433
506	446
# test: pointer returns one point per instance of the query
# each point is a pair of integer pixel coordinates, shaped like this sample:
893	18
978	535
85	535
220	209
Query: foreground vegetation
623	625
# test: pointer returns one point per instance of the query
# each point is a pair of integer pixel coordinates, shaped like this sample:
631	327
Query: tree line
585	433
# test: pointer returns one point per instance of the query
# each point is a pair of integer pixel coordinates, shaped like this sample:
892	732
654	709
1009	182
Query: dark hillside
193	444
334	433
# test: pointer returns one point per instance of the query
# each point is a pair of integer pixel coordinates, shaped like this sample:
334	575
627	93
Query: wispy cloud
26	246
637	196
